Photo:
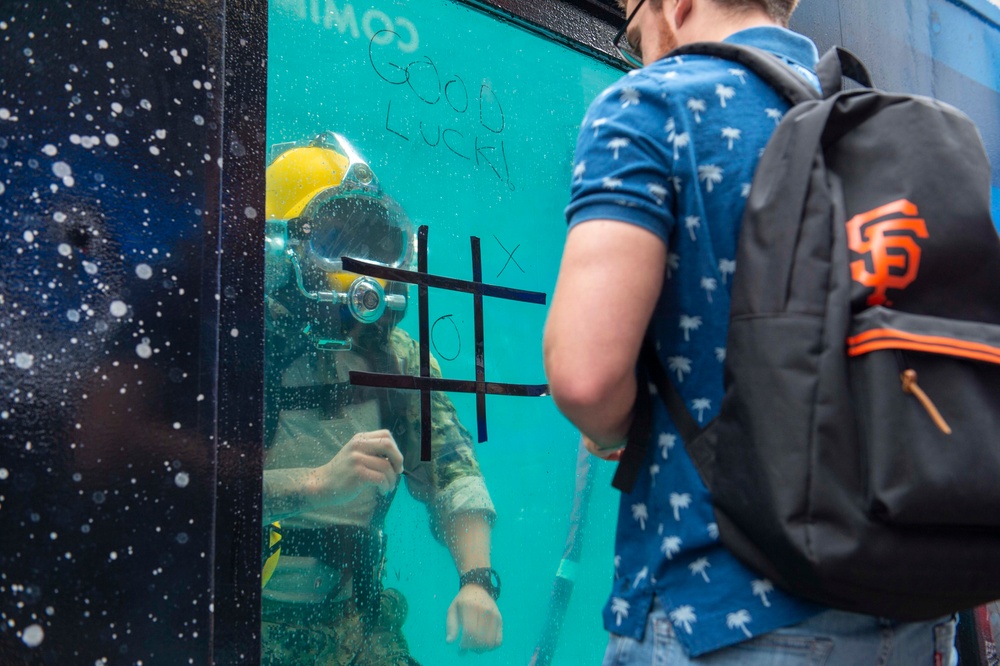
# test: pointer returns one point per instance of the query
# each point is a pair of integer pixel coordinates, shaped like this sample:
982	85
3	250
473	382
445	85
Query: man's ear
682	10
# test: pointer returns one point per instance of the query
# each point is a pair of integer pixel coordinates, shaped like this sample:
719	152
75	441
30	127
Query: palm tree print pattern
670	546
667	442
683	617
709	174
762	587
640	514
696	107
689	323
617	144
700	568
620	608
724	93
679	501
739	620
679	364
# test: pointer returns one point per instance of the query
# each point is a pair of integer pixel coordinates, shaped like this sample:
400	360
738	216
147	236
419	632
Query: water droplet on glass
61	169
24	360
182	479
143	350
73	315
144	271
50	150
118	308
4	474
33	635
29	237
111	140
64	249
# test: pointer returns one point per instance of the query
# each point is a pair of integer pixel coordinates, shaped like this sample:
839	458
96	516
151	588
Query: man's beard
668	39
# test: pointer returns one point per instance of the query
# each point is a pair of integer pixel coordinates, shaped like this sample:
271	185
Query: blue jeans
832	638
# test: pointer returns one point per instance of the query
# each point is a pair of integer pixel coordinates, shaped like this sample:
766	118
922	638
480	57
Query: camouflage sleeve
451	482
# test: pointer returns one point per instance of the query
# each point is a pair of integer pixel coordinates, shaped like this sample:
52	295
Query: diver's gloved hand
474	620
370	459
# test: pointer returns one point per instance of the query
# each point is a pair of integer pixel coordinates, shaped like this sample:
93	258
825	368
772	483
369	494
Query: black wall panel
131	139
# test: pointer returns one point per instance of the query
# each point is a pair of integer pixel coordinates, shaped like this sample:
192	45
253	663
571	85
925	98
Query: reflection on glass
335	452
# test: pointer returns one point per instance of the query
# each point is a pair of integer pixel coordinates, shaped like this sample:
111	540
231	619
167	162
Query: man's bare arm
609	281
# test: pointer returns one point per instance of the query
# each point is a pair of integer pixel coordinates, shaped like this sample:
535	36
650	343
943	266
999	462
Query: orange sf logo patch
886	237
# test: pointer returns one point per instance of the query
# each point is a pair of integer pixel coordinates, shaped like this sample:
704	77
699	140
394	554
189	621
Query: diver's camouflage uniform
336	631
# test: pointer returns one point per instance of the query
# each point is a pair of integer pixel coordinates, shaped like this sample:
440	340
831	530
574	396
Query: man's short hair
778	10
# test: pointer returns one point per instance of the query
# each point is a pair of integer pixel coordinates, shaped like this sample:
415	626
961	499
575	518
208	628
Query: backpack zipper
908	378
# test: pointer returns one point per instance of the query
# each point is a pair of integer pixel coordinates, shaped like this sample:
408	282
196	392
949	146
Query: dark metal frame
585	25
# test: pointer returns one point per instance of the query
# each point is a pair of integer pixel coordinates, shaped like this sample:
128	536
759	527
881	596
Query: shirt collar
780	41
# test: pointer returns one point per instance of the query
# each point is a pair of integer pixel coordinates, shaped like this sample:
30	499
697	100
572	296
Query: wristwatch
485	577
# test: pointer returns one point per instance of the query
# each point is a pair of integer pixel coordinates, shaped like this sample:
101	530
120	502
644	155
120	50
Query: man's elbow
577	390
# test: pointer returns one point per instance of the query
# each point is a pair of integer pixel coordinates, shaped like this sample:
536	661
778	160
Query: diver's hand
370	459
474	618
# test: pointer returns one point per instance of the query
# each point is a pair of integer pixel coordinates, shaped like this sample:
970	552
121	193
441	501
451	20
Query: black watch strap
485	577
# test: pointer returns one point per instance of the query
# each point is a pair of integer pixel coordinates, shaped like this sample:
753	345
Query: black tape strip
477	309
438	282
425	351
409	382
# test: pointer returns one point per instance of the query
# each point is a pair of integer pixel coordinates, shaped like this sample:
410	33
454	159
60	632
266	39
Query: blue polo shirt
672	148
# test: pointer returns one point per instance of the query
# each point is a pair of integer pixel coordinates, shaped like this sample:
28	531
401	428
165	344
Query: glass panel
432	142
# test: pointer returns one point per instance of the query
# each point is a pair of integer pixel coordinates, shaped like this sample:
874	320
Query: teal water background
470	123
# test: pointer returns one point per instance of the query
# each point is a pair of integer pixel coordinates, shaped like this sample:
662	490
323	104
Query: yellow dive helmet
325	203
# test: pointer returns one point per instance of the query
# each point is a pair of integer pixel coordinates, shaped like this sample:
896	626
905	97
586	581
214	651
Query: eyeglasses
632	54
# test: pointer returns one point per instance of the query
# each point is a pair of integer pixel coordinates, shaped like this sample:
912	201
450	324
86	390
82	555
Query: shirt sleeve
623	166
451	482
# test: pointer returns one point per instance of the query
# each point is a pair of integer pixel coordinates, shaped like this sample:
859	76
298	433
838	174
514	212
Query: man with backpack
663	168
336	451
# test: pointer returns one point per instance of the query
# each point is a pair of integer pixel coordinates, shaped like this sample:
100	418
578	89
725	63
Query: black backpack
856	457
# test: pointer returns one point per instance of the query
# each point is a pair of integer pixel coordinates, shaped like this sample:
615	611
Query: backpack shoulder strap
788	83
837	63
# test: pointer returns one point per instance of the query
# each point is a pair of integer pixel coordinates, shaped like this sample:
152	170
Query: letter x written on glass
425	383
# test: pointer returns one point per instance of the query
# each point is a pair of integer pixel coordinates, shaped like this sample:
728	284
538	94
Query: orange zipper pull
909	379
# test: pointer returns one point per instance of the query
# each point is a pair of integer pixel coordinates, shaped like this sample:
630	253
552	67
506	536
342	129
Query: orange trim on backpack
886	338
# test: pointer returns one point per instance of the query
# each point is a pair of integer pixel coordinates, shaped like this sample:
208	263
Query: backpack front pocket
926	392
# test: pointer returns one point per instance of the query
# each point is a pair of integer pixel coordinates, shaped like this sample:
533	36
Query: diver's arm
473	617
467	535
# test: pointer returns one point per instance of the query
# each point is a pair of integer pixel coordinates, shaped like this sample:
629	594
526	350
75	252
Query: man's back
672	148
